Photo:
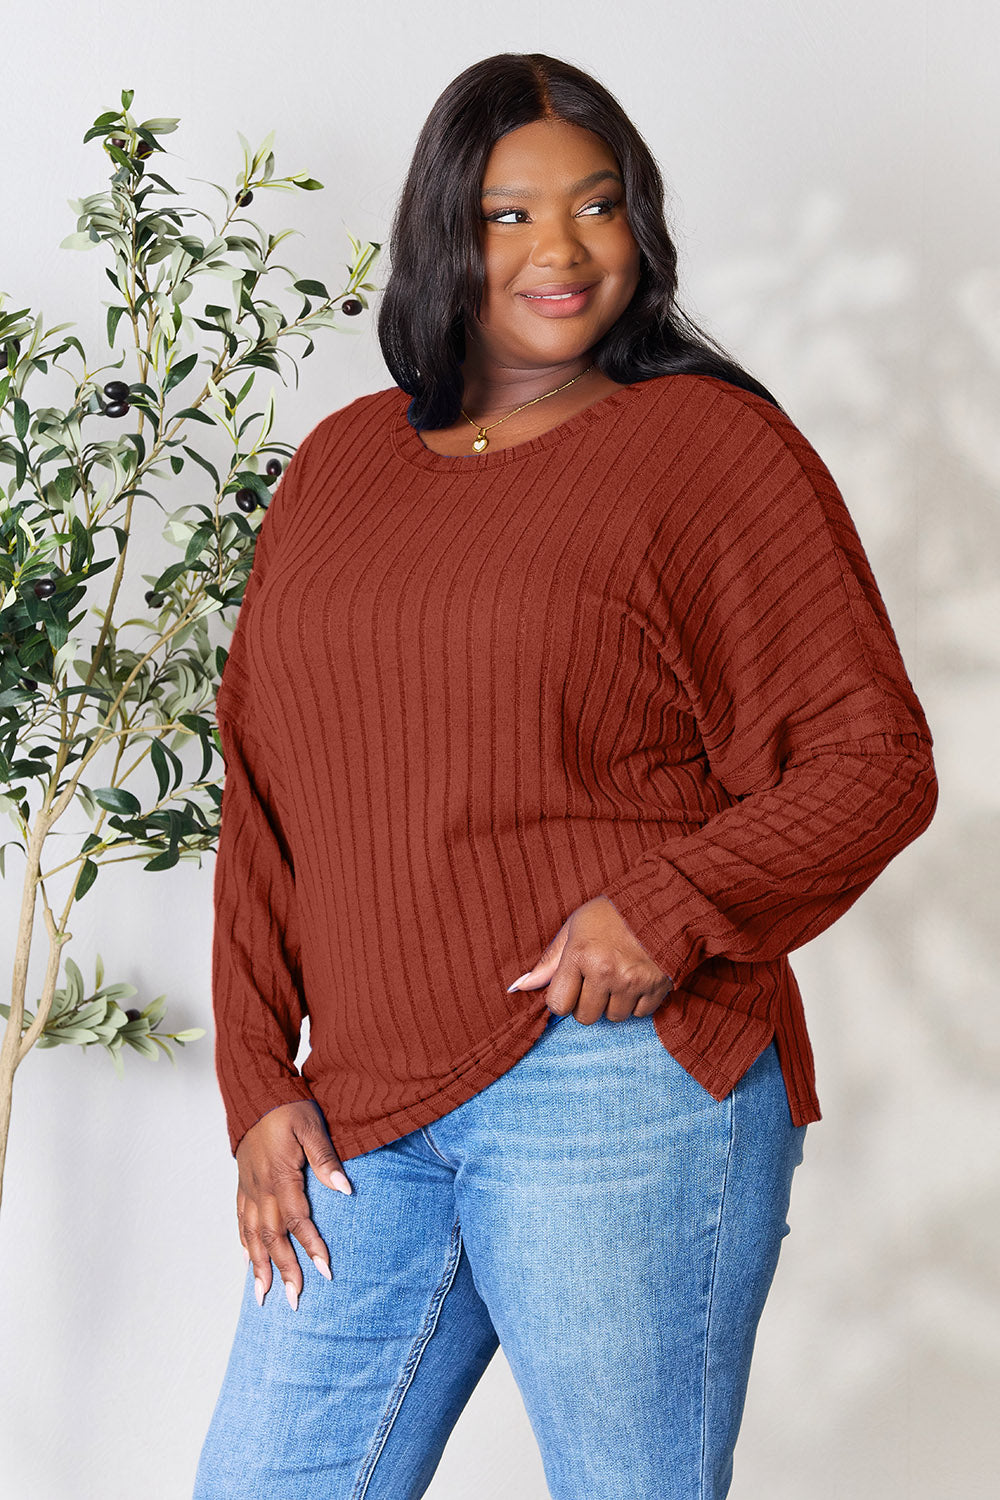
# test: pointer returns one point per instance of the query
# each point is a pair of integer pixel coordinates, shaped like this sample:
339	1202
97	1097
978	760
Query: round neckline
409	445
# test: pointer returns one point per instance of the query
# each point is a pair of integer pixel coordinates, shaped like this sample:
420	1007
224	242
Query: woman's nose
556	244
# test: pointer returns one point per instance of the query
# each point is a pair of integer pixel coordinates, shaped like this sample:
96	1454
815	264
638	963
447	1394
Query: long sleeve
765	608
256	953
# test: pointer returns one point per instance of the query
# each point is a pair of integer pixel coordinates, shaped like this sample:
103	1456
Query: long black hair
435	248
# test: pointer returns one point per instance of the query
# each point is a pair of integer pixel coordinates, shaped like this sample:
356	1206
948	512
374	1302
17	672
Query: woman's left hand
595	963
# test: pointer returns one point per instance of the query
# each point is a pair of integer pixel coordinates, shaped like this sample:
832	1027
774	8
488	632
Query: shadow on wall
887	1296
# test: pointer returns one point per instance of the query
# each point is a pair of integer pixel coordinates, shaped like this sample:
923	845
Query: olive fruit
132	1014
247	500
351	306
116	390
274	467
244	200
116	140
45	588
143	150
117	409
29	683
153	599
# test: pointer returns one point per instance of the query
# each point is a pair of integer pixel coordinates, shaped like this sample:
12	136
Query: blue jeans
596	1213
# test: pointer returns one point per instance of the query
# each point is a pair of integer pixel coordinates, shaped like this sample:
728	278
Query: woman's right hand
271	1201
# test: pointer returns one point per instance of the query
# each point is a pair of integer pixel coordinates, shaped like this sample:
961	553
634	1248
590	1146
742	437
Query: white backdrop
831	171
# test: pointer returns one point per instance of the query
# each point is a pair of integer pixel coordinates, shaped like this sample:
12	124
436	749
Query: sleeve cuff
288	1090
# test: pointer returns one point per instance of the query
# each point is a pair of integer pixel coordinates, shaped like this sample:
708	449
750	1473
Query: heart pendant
480	442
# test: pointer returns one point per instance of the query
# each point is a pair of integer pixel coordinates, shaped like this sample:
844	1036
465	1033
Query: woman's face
554	217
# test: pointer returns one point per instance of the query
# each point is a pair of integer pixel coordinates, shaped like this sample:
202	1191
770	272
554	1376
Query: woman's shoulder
706	394
718	412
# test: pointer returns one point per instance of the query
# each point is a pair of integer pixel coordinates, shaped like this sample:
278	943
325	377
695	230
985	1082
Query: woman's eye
605	204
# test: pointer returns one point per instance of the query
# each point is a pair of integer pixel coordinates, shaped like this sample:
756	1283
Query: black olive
117	409
153	599
244	200
45	588
133	1014
29	683
116	390
117	141
143	150
274	467
351	307
247	500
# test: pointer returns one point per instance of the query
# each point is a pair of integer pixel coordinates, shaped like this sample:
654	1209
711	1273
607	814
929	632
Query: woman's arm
275	1126
256	980
766	609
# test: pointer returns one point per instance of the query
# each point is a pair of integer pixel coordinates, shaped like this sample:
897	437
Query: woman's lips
550	305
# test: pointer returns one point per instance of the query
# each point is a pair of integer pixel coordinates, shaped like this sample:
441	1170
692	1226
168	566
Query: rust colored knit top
642	654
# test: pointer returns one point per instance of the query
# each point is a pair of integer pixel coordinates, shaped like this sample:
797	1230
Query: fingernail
258	1287
340	1182
246	1254
322	1267
517	982
292	1295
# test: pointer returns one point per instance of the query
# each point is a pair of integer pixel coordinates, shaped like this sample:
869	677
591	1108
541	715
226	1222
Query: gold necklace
481	442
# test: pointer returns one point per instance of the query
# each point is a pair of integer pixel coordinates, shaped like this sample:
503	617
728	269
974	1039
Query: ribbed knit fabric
642	654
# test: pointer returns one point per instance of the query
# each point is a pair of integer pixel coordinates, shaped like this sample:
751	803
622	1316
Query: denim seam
409	1370
426	1135
711	1293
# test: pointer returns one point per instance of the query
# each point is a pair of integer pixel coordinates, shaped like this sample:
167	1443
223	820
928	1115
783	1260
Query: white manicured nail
322	1267
517	982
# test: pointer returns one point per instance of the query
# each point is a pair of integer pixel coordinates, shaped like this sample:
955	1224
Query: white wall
832	178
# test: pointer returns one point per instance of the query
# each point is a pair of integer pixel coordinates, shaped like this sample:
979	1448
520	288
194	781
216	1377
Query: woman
561	706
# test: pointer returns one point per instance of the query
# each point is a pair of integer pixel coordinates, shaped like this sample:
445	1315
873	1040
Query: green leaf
179	371
176	463
153	1012
160	754
311	288
197	542
192	414
163	861
127	96
143	1044
159	759
118	156
160	125
246	388
117	799
208	467
246	479
71	1034
220	268
86	878
84	241
190	1035
114	316
21	418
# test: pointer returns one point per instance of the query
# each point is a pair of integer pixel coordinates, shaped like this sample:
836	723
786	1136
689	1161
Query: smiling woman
560	266
529	176
562	706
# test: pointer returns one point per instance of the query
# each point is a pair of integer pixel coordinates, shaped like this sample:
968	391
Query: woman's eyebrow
576	187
